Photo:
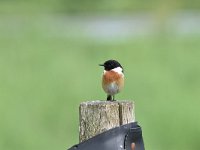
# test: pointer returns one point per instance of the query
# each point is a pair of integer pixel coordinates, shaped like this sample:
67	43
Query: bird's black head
111	64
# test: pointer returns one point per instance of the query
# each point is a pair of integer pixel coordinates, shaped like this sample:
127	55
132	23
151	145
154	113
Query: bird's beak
101	64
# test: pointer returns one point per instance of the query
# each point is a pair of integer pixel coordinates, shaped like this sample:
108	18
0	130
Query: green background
47	67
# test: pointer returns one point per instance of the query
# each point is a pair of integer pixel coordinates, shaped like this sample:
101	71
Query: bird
112	78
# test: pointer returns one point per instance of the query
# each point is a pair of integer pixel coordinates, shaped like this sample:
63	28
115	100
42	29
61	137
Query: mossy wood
99	116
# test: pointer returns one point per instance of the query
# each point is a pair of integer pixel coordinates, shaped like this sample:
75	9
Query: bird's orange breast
110	77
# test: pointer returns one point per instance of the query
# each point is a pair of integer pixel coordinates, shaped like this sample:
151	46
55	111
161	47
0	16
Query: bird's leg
109	98
113	98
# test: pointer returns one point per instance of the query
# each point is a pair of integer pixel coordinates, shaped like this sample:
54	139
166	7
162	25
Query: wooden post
99	116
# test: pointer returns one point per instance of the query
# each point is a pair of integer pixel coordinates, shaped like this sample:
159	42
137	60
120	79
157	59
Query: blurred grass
45	76
88	6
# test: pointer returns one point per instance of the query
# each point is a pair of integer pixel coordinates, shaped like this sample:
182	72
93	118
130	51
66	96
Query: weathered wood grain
99	116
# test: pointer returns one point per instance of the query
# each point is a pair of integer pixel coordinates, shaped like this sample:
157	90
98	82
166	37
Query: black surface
119	138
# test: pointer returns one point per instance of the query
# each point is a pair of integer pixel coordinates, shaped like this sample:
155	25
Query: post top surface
104	102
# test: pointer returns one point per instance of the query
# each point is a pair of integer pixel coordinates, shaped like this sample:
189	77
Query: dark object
109	98
119	138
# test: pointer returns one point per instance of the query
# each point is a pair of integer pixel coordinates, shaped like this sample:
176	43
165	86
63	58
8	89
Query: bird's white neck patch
118	70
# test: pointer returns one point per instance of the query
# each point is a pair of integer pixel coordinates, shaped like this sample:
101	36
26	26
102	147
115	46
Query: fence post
98	116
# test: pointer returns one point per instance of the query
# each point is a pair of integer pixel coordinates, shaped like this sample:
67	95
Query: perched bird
112	79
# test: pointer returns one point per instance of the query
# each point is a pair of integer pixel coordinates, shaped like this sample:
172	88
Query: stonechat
112	79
